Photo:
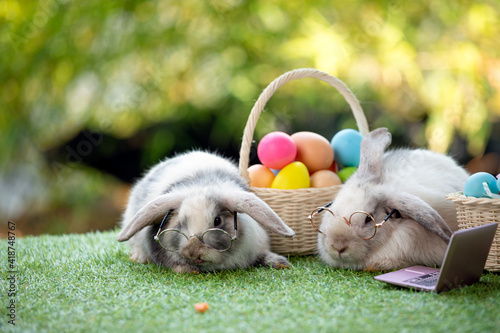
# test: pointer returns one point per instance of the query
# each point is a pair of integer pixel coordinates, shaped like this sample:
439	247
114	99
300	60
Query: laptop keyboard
425	280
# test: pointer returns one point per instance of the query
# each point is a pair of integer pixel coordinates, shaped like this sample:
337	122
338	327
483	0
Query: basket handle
295	74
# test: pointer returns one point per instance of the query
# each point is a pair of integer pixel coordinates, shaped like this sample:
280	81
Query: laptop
462	265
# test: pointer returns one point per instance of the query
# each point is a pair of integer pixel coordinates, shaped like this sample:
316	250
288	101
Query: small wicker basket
473	212
294	206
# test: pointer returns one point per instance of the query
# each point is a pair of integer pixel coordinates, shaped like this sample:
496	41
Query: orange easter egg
313	150
260	176
325	178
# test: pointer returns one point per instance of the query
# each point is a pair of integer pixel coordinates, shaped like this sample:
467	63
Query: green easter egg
345	173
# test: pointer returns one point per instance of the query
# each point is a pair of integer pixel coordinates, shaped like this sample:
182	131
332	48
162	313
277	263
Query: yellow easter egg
293	176
260	176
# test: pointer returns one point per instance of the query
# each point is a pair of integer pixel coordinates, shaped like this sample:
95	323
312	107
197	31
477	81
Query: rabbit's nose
339	244
340	250
192	248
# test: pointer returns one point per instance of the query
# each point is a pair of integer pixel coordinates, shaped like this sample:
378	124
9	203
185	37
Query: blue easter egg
346	146
474	185
498	183
275	171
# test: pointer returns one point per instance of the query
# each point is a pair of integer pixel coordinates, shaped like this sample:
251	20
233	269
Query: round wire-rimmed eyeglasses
218	239
368	219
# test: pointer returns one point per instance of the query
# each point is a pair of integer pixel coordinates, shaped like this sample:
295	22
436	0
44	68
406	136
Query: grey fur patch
204	178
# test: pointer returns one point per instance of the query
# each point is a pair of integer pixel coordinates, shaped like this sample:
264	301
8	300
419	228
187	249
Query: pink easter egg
276	150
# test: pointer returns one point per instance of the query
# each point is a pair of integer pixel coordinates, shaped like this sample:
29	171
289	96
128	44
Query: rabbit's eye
395	213
217	221
368	219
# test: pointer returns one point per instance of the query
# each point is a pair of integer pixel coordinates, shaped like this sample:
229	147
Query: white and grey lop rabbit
203	191
410	183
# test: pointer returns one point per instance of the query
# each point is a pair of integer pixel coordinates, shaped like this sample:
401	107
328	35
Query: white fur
415	182
428	175
199	186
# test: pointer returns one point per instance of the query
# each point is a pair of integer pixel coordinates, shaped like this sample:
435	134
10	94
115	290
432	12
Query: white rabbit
412	184
202	191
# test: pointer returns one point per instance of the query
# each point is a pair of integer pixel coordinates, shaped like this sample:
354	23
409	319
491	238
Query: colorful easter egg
260	176
293	176
346	146
474	185
325	178
345	173
313	150
276	149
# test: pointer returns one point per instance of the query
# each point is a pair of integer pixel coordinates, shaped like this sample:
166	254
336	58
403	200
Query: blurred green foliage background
88	79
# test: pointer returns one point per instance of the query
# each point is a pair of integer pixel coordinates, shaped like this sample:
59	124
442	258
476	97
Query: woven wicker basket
294	206
472	212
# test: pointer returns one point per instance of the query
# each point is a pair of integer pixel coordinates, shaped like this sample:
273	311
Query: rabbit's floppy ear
411	206
373	146
250	204
149	214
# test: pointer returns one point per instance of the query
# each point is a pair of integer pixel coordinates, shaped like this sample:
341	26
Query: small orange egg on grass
201	307
260	176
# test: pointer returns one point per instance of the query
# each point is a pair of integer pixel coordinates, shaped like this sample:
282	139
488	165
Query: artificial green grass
86	283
